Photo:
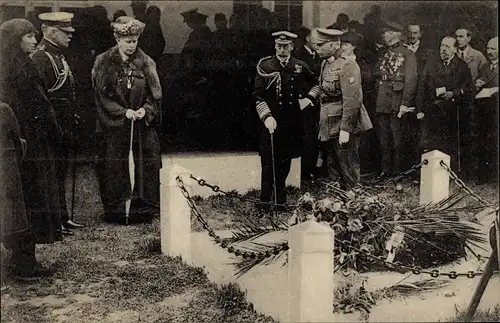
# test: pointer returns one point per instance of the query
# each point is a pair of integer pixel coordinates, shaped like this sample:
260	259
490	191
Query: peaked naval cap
60	20
283	37
127	26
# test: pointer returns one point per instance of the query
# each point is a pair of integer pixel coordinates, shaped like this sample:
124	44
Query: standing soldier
282	87
50	61
343	116
396	89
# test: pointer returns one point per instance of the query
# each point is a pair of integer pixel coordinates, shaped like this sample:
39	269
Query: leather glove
271	124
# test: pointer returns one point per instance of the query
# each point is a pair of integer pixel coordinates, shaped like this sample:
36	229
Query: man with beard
281	91
397	85
445	88
487	115
50	61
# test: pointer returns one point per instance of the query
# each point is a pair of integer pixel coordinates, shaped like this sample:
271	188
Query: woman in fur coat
22	88
127	93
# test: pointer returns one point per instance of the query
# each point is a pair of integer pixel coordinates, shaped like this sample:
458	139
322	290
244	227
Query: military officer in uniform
50	61
282	85
397	86
343	117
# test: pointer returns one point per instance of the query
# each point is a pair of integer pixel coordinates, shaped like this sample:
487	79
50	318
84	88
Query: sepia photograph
249	161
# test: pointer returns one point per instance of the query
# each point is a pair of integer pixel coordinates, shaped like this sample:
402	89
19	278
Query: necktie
461	54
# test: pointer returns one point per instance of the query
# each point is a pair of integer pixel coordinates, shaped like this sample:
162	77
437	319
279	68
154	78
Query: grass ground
110	273
492	315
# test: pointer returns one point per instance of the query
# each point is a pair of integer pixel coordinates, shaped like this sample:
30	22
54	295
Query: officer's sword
274	176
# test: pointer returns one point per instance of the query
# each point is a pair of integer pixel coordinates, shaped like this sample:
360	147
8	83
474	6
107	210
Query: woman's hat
127	26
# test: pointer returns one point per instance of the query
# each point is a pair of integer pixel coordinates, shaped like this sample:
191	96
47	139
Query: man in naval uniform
343	117
282	85
50	61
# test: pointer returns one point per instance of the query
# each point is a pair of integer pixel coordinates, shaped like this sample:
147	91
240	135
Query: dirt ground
109	273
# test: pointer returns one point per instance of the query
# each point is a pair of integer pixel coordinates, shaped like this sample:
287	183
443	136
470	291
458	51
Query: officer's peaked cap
323	35
390	25
60	20
283	37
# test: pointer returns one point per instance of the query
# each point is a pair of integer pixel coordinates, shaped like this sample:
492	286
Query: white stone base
229	171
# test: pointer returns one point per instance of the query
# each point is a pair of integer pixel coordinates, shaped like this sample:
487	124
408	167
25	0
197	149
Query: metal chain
414	269
462	185
226	243
217	189
405	173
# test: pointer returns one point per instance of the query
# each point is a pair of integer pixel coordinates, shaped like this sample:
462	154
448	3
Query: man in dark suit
397	85
282	86
411	124
310	117
487	115
444	90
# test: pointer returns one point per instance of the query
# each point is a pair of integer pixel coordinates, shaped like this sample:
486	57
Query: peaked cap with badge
61	20
127	26
391	25
323	35
283	37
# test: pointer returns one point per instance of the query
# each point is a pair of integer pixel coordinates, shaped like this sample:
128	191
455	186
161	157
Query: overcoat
119	86
23	90
440	125
12	210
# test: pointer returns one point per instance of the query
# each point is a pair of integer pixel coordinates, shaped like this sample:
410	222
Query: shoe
26	275
66	231
73	225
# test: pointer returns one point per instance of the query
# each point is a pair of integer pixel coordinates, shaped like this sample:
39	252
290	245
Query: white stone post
175	220
434	179
310	273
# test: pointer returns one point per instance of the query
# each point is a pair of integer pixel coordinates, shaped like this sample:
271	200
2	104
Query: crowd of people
345	98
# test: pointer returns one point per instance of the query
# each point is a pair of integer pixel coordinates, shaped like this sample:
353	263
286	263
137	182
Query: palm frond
264	255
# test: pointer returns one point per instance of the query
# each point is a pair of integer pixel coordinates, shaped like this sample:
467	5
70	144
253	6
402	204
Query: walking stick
274	175
73	182
131	171
458	135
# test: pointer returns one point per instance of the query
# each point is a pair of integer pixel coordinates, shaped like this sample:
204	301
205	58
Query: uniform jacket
341	98
277	90
49	60
475	60
455	77
12	210
397	81
113	98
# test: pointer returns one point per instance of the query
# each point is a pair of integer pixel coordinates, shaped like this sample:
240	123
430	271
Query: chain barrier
217	189
414	269
462	185
402	174
226	243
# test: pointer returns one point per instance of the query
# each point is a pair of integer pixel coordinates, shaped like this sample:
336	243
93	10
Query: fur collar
105	76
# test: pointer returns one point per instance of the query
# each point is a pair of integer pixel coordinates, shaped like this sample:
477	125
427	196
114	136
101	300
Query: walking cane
73	182
131	171
274	176
458	135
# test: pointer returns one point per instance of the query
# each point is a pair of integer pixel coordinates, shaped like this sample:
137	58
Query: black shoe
66	231
264	209
37	271
73	225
